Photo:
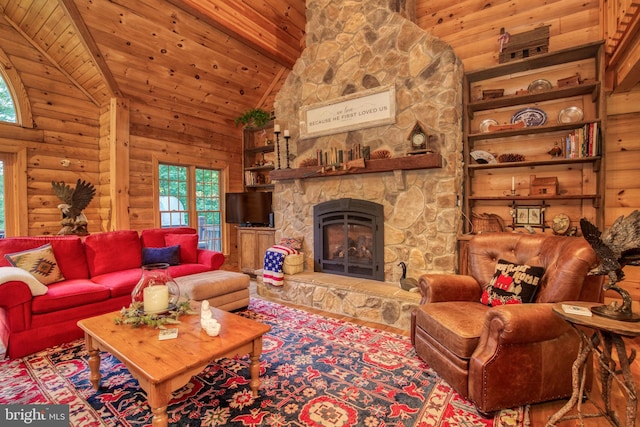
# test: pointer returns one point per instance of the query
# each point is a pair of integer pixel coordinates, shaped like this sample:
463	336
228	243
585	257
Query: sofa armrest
14	293
448	287
212	259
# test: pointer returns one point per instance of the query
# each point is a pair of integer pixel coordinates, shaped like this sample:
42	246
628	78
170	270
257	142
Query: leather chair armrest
521	324
448	287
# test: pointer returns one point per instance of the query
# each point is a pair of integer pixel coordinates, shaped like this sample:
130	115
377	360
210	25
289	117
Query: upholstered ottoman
226	290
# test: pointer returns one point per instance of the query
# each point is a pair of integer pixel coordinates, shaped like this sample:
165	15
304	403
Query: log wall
67	128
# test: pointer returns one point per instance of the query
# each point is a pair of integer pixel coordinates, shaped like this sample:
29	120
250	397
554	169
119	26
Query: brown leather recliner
509	355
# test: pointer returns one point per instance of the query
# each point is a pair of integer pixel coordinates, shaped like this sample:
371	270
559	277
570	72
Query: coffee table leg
255	366
94	362
158	398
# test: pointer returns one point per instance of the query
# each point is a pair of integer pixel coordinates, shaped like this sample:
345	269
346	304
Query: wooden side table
607	334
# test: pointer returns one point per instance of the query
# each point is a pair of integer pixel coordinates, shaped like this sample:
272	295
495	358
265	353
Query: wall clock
417	138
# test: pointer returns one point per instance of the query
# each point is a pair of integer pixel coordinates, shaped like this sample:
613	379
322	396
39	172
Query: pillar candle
513	183
155	299
286	133
276	128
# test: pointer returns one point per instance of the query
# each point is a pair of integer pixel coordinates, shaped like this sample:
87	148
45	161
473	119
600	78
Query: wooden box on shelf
543	186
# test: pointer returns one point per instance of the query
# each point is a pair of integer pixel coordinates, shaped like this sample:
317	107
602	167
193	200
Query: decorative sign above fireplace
374	107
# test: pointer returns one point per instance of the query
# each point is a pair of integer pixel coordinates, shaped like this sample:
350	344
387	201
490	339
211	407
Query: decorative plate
570	115
482	157
484	125
539	85
530	117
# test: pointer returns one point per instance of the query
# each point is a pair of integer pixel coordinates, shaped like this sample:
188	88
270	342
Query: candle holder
286	139
277	133
156	289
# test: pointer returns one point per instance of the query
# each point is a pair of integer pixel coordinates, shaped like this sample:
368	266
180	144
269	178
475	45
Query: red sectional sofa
100	271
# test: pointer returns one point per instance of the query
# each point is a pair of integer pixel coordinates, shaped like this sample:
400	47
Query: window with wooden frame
189	196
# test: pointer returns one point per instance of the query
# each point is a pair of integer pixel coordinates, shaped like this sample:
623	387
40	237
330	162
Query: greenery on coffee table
134	315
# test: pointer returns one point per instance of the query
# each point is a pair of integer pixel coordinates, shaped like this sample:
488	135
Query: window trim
15	172
24	117
193	163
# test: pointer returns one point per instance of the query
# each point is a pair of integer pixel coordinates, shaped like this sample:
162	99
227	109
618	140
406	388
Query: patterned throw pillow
169	255
291	242
39	262
512	284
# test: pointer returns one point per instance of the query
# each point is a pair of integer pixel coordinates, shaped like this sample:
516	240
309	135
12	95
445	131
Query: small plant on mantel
256	117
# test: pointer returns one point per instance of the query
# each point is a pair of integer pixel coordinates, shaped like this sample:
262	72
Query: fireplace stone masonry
353	46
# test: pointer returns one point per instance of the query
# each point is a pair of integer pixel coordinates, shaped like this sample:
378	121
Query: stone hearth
364	299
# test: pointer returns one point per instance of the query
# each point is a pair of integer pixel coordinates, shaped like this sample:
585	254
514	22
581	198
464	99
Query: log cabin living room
369	178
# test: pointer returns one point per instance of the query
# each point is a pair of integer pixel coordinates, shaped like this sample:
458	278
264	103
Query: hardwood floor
539	414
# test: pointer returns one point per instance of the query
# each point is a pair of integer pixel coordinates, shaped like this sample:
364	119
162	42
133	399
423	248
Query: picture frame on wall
528	215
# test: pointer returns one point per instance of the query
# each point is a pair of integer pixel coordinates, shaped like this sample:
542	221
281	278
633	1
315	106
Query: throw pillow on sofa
39	262
188	246
169	255
512	284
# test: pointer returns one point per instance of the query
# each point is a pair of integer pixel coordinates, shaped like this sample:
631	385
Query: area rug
315	371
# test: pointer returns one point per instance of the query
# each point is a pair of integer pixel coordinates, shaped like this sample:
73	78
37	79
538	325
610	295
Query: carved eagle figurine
616	247
75	200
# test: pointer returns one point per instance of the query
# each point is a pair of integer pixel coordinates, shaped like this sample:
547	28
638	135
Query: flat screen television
250	208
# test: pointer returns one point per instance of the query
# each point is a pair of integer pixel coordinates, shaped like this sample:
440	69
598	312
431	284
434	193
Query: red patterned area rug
315	371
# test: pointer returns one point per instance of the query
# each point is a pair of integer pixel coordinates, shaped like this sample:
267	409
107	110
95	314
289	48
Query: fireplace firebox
349	238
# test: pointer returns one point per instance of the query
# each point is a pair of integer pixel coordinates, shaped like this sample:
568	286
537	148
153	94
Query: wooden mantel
419	161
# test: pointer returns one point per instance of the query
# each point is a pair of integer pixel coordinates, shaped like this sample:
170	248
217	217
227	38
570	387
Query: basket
485	222
293	263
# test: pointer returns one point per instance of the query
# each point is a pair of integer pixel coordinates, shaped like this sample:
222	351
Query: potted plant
256	117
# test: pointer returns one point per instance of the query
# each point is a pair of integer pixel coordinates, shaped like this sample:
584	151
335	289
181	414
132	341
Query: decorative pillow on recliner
188	246
39	262
512	284
169	255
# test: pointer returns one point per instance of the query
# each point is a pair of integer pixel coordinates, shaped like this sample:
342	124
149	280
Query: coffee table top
159	360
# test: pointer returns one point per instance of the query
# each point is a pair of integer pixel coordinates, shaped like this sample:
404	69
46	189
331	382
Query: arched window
7	107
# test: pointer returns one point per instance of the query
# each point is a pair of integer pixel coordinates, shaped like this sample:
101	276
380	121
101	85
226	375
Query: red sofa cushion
113	251
155	237
69	294
67	249
119	282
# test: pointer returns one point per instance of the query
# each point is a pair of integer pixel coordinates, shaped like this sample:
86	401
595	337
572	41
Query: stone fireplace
349	238
355	46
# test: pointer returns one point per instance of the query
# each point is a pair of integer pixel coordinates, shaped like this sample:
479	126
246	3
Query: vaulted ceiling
207	58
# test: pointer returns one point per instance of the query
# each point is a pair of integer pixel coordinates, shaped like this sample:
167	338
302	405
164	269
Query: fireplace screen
348	238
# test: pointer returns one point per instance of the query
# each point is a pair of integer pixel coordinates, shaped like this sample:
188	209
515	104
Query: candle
513	183
286	133
155	299
276	128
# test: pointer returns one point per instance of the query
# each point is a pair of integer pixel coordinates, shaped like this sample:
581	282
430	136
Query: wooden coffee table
162	367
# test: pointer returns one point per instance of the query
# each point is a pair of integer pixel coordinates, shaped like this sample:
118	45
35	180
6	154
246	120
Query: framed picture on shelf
528	215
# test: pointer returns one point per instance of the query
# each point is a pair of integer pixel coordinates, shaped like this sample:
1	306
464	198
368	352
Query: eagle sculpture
616	247
74	201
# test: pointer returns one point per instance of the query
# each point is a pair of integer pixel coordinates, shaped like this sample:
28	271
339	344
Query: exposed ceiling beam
49	58
274	82
91	47
624	63
238	20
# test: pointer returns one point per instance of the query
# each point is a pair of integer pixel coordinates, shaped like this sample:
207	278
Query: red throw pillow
188	246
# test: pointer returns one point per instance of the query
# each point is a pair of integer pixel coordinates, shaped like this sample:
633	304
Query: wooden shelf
528	163
260	168
564	56
532	98
539	197
533	130
422	161
259	149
